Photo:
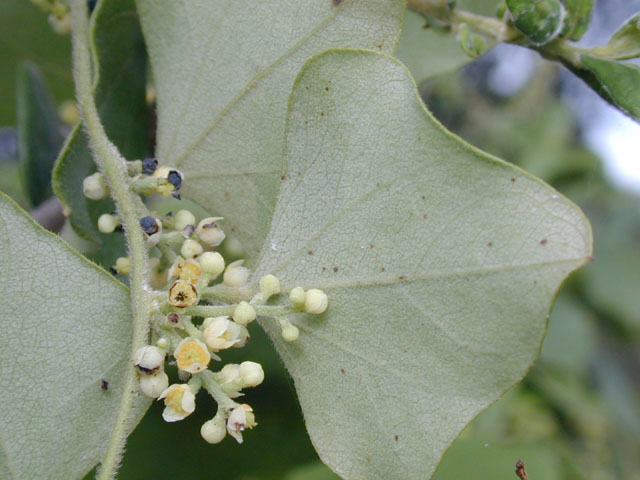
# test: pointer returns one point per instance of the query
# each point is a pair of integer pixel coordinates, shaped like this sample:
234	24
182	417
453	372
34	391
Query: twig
520	471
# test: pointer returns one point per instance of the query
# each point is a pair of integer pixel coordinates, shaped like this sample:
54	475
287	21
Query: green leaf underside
440	262
66	325
223	73
40	133
118	46
616	82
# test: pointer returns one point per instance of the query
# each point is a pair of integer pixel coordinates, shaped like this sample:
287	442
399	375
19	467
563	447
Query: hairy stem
114	168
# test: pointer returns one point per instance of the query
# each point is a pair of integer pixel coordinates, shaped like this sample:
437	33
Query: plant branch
114	168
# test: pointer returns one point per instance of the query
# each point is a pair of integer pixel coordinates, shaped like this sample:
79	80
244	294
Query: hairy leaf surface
224	71
66	325
440	262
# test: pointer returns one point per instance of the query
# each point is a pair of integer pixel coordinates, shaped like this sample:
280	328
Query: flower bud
251	374
95	187
162	343
183	218
182	294
296	296
290	333
212	263
153	385
236	275
107	223
229	374
192	355
122	266
269	286
214	431
244	313
315	301
209	232
190	248
180	402
221	333
148	359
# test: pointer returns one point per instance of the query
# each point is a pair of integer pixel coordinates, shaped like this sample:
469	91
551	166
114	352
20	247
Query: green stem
226	310
215	390
114	168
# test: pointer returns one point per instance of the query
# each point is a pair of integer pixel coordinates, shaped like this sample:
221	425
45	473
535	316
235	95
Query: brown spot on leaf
324	269
423	197
227	195
326	88
382	269
402	277
371	246
310	252
395	437
490	244
543	241
335	269
342	371
322	114
513	179
283	177
424	216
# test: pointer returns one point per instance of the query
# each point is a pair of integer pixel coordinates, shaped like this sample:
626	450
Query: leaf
27	35
616	82
625	43
440	262
223	73
578	18
426	52
66	325
40	133
120	85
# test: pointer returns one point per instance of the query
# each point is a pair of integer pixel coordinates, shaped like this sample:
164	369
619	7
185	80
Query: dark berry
149	225
175	179
149	165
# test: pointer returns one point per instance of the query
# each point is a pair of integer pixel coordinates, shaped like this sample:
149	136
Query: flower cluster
203	306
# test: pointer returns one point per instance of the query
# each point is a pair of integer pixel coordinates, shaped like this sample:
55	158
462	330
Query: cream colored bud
162	343
107	223
251	374
269	286
290	333
229	373
153	385
148	359
182	218
190	248
221	333
95	187
315	301
122	266
214	430
296	296
244	313
209	232
236	275
212	263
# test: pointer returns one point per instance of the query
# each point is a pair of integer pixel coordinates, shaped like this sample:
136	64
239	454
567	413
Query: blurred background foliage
577	413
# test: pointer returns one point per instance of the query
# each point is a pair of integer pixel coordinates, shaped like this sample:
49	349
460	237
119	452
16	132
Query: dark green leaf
40	133
118	48
618	83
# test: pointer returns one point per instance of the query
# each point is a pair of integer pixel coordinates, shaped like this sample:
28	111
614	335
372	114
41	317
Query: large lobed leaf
441	264
223	73
66	325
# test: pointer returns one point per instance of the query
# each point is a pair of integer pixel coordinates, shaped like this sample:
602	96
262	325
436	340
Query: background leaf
118	48
222	107
440	262
66	325
40	133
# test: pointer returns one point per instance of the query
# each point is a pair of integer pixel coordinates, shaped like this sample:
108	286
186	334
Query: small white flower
315	301
236	275
251	374
153	385
244	313
182	294
180	402
214	431
192	355
221	333
209	232
212	263
148	359
182	218
190	248
269	286
240	419
95	187
107	223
